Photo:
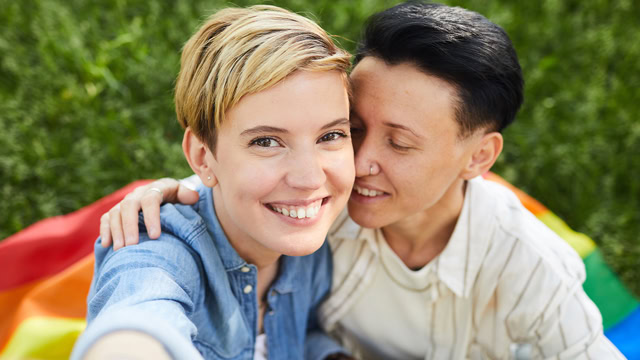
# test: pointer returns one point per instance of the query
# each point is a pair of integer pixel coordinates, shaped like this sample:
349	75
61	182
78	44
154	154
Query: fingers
105	231
186	195
115	224
151	202
129	208
172	192
119	227
169	188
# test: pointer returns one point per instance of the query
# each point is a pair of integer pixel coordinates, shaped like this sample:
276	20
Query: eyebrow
264	129
341	121
401	127
261	129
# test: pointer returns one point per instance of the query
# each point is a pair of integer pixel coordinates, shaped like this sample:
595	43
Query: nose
365	156
306	171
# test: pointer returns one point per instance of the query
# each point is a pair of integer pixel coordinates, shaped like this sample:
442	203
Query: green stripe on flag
607	292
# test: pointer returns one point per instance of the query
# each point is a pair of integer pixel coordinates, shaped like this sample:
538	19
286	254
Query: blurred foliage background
86	104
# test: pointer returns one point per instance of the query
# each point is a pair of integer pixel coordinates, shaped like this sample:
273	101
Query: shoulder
145	275
170	255
521	238
531	269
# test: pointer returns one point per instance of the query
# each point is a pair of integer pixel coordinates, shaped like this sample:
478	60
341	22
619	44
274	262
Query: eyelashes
265	142
397	146
272	142
333	136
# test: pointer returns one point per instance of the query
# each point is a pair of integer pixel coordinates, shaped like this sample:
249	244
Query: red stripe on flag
51	245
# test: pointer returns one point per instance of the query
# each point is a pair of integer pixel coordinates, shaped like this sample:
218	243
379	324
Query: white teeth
313	211
308	212
367	192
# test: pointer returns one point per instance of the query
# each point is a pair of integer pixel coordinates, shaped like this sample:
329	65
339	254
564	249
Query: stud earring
208	177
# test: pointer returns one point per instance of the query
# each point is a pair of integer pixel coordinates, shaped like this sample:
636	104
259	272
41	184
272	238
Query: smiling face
404	125
284	165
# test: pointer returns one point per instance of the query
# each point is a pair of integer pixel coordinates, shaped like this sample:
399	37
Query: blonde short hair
241	51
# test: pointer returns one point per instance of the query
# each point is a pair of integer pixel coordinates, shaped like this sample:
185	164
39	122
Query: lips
364	191
308	211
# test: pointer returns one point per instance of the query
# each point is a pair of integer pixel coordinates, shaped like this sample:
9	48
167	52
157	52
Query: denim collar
287	280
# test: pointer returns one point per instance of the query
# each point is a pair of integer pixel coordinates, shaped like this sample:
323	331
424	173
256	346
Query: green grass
86	104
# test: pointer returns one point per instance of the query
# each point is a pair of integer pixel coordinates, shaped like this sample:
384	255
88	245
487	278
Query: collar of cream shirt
468	242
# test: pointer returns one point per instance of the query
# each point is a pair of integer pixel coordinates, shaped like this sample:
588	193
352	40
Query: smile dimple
367	192
297	212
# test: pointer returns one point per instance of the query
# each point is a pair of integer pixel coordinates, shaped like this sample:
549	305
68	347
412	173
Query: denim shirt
191	291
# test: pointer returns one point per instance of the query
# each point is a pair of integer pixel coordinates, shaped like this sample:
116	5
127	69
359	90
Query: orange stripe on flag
63	295
530	203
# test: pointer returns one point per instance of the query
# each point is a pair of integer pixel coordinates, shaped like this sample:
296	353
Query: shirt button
245	269
247	289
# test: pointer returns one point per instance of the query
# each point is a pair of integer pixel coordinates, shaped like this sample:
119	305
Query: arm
119	226
145	292
138	344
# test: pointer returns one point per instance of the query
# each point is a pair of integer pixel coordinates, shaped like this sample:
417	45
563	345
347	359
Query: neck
252	251
421	237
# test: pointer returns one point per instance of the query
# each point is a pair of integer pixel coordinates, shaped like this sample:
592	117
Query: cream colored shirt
504	287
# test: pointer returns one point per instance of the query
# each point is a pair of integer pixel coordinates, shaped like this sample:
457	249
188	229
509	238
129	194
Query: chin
364	218
302	245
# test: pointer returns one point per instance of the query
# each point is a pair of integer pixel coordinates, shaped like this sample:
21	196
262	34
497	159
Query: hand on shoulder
119	226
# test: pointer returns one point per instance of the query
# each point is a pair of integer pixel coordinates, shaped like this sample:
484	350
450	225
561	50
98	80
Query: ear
484	155
199	157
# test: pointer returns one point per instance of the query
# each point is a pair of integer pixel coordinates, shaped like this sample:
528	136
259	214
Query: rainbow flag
46	270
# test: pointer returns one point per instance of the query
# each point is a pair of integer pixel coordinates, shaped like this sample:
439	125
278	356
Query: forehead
301	99
401	93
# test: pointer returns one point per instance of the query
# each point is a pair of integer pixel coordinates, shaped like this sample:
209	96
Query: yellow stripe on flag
581	243
43	338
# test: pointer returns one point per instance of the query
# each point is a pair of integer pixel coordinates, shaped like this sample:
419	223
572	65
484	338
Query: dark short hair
459	46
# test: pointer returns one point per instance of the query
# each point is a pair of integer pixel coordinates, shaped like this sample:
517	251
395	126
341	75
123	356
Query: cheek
412	178
341	170
250	181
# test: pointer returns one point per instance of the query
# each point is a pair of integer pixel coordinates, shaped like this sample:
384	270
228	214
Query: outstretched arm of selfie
119	226
140	299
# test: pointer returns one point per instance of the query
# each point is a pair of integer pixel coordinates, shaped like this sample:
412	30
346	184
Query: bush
86	104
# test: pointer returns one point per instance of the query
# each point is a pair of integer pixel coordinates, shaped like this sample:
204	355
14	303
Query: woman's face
284	164
404	124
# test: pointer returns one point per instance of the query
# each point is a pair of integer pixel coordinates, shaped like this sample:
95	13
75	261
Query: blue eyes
269	142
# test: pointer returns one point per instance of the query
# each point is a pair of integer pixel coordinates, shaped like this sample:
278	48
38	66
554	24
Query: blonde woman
263	97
